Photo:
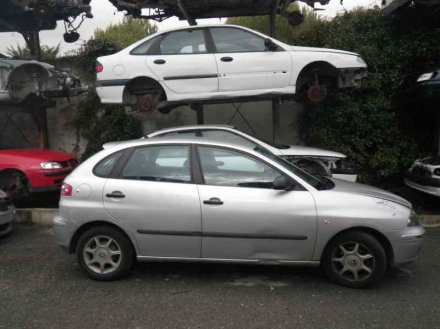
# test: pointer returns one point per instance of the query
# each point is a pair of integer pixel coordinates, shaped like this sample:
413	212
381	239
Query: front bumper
47	180
406	244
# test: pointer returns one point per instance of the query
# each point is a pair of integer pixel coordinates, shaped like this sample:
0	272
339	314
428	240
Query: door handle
159	61
226	59
115	195
216	201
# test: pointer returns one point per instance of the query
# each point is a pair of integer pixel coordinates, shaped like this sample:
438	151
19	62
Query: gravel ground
42	287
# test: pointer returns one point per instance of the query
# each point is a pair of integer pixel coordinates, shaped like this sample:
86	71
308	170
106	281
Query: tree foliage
99	123
47	53
364	123
128	31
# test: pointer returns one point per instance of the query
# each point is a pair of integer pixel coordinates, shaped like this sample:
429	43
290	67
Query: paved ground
41	287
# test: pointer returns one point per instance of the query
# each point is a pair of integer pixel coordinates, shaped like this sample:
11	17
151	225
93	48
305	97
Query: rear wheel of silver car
354	259
104	253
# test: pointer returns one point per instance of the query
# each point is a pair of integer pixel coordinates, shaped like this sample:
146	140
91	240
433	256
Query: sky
105	13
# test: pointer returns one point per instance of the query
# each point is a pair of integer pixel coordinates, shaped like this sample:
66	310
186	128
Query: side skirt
220	260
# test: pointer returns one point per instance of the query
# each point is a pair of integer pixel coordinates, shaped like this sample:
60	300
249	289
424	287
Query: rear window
105	167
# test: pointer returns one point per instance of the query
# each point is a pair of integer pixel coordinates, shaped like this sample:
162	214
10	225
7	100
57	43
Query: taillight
66	190
99	68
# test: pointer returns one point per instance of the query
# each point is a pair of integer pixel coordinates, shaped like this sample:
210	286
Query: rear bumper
63	232
110	94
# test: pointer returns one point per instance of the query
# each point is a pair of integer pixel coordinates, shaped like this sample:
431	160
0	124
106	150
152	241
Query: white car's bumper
110	94
423	188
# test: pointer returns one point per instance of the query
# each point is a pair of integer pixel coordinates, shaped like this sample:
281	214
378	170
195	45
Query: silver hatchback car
198	200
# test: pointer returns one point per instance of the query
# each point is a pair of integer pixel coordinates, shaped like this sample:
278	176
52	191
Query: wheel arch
309	68
14	170
383	240
85	227
142	80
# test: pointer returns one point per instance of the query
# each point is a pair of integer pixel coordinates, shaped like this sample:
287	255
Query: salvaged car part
424	175
37	15
21	80
7	211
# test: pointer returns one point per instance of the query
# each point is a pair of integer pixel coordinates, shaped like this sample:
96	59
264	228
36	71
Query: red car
24	171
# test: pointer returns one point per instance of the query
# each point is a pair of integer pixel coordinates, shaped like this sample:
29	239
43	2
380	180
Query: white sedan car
313	160
218	62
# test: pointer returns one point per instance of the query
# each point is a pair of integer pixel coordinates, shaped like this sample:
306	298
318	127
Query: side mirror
282	183
269	44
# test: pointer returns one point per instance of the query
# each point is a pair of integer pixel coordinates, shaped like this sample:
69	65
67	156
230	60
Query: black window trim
300	187
117	172
214	47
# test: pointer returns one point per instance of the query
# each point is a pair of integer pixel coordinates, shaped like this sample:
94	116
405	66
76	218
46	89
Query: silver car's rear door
244	218
155	197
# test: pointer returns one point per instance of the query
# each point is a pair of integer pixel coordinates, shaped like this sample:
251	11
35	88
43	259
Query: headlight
360	60
425	77
437	172
51	165
413	220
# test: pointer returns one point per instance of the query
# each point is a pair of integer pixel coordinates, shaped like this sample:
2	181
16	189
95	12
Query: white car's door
182	62
154	197
243	217
245	63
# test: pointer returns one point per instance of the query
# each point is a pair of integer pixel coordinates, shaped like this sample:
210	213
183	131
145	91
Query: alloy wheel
353	261
102	254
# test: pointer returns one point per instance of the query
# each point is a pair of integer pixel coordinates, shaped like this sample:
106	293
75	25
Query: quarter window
183	42
223	167
233	40
105	166
167	163
143	48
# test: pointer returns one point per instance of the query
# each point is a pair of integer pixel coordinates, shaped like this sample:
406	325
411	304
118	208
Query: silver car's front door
155	198
244	218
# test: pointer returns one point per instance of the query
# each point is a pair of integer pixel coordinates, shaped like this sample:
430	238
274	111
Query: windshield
320	183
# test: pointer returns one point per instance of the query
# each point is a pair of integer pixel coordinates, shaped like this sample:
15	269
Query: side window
106	165
223	167
168	163
232	40
183	42
143	48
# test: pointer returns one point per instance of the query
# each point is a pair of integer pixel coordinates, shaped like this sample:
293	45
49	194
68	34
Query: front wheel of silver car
104	253
354	259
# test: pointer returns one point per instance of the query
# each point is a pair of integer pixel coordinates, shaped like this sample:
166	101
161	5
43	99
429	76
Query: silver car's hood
356	188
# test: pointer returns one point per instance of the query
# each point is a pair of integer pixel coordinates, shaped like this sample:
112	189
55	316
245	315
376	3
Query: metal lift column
275	102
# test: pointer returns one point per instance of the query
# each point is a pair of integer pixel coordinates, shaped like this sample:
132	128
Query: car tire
354	259
105	253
